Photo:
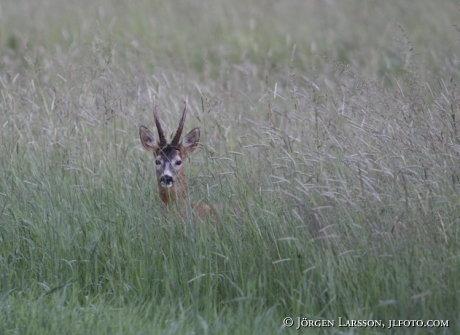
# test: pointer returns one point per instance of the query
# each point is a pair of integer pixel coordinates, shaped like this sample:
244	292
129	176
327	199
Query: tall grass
331	126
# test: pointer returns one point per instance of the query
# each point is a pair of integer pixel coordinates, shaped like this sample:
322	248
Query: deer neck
176	193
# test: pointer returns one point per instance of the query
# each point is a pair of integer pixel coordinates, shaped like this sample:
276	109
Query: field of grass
332	126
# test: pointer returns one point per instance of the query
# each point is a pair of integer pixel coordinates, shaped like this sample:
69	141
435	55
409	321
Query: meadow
332	126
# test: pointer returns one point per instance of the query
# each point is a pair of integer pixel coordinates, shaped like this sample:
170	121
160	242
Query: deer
169	163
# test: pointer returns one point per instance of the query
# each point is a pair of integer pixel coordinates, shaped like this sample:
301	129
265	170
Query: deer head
170	158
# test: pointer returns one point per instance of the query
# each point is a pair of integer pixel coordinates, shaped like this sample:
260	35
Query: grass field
332	126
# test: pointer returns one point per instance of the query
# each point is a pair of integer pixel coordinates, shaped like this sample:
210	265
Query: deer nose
166	179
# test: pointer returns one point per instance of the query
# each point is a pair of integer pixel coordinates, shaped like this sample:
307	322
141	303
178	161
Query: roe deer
169	161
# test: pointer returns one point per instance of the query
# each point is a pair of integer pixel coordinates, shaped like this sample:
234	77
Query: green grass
333	128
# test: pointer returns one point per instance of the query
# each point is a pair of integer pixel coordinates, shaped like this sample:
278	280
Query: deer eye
157	162
179	162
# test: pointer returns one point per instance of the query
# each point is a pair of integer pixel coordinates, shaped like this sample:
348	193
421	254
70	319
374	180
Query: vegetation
332	126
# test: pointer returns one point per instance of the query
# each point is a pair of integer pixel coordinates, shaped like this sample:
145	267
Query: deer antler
161	135
176	138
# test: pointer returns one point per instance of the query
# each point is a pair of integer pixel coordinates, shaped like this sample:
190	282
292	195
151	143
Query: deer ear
148	141
190	140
